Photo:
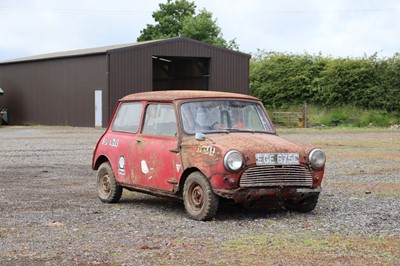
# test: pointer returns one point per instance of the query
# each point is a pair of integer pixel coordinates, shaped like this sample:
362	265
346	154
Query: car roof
182	95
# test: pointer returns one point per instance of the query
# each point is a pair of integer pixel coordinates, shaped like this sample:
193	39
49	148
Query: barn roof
106	49
73	53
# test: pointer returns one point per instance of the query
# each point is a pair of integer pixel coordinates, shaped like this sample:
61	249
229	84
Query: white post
98	108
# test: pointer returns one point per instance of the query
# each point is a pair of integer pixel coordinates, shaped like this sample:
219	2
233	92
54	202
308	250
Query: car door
120	139
157	161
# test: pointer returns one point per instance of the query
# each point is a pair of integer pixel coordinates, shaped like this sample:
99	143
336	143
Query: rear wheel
198	197
108	188
306	205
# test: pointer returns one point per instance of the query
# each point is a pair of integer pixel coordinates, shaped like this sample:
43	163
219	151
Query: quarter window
128	118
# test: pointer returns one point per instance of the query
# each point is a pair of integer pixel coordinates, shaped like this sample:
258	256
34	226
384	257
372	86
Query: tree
169	20
178	18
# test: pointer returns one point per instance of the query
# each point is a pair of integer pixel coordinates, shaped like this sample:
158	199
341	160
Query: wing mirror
200	136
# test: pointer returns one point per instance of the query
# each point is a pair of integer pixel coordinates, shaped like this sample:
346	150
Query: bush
282	80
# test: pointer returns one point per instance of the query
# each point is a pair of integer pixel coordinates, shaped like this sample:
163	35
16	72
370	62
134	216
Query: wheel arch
183	178
101	159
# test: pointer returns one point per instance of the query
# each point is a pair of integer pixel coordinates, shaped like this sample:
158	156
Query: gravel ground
50	213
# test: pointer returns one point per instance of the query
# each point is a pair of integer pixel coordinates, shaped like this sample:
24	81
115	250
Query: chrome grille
273	175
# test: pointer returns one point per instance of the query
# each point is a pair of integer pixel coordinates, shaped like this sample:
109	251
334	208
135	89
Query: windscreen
224	115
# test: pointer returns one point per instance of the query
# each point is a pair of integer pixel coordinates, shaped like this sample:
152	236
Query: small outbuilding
82	87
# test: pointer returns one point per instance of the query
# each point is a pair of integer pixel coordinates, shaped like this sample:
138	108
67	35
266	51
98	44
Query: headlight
233	161
317	158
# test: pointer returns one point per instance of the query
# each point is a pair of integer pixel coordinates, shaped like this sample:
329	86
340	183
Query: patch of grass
346	116
350	116
302	247
307	247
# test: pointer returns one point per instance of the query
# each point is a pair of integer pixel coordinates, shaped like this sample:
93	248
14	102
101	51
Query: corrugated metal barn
82	87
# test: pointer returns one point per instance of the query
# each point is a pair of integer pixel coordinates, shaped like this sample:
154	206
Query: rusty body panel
210	164
272	169
154	153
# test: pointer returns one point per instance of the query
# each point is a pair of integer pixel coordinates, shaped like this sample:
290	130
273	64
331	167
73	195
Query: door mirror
200	136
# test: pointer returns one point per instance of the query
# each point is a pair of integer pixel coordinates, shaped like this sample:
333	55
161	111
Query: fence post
305	121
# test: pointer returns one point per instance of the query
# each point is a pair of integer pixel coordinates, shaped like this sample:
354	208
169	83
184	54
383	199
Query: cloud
354	30
336	27
36	27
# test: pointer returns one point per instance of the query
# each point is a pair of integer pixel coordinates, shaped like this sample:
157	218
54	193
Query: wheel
108	188
306	205
198	197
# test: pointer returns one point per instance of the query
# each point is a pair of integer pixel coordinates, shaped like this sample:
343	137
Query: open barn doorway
177	73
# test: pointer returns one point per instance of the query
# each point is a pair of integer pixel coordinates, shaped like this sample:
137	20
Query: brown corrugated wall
131	68
54	92
60	91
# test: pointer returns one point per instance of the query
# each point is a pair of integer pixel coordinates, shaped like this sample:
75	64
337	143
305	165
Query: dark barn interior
174	73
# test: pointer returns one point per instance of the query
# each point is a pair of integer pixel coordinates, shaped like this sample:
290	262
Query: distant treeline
281	80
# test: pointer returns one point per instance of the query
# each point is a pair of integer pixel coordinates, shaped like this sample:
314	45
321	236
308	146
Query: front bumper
244	195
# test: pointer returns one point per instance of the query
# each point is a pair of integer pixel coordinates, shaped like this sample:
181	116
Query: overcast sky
339	28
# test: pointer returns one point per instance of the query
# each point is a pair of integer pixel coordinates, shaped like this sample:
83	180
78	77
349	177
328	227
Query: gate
291	119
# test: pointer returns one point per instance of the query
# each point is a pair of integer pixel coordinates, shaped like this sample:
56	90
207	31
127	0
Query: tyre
108	188
306	205
198	197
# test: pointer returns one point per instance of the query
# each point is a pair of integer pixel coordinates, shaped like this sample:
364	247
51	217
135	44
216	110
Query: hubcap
197	197
105	184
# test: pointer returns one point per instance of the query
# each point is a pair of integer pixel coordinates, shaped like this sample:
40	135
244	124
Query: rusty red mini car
202	147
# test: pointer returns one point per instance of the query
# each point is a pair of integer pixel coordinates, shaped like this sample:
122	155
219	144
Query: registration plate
277	158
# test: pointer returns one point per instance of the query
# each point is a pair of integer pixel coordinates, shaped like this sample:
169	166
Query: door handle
174	150
138	140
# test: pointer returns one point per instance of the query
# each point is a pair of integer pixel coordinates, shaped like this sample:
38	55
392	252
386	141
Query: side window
127	118
160	120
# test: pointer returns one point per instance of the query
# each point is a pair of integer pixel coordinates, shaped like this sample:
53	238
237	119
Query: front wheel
306	205
198	197
108	188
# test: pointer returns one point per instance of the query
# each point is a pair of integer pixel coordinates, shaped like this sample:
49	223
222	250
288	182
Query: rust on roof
182	95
